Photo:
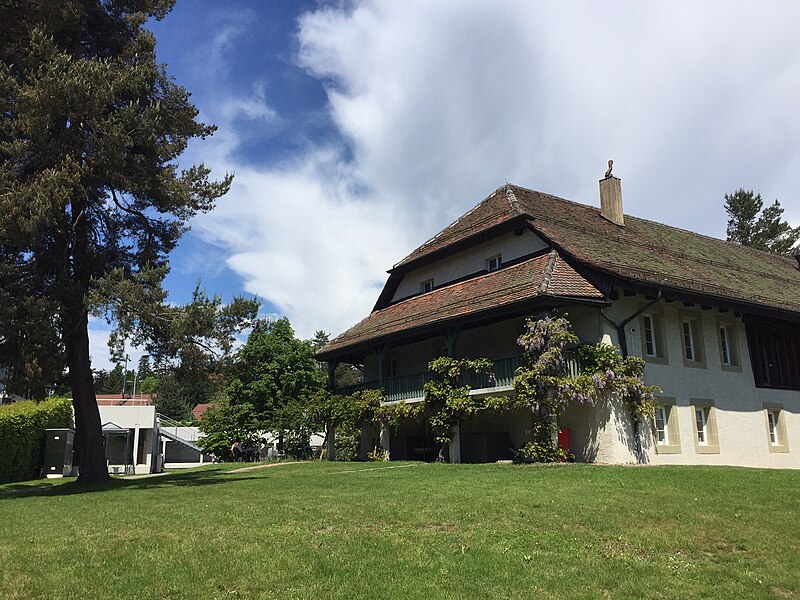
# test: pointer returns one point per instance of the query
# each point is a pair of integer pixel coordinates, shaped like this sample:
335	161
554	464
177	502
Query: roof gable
499	207
641	252
543	276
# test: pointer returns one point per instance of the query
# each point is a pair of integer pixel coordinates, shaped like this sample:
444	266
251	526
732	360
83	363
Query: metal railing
185	432
407	387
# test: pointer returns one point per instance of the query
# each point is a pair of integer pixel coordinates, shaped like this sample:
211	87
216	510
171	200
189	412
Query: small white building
131	438
138	440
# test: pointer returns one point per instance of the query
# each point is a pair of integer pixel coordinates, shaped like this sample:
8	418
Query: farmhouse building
718	325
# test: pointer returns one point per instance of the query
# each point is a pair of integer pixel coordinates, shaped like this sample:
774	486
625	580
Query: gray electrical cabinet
58	452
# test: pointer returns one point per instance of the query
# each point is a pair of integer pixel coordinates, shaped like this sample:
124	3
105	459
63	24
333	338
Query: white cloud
99	331
303	240
442	102
253	107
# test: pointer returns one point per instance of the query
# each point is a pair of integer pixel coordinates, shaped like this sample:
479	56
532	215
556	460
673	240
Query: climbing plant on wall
447	398
543	384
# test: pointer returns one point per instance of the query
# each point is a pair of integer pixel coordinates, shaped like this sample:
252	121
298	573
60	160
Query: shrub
348	441
22	426
541	448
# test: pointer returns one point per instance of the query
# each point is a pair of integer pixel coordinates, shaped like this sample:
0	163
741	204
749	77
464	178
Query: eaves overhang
357	351
648	285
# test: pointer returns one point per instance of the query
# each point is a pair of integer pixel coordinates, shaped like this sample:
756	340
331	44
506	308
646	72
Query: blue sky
359	129
240	47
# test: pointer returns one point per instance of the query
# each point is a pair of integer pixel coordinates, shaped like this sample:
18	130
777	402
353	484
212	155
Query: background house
718	325
139	440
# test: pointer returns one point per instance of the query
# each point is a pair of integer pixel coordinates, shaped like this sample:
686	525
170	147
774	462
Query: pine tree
91	200
767	231
113	383
171	400
143	369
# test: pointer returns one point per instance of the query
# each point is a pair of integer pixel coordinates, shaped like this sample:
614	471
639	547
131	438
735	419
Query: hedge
22	426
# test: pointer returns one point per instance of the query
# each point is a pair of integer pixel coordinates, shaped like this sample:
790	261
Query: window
728	347
493	263
692	341
725	345
772	423
706	439
667	435
774	353
701	420
689	350
649	336
393	368
653	347
776	428
662	436
426	286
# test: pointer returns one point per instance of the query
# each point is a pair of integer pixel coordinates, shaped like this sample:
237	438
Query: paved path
371	469
274	464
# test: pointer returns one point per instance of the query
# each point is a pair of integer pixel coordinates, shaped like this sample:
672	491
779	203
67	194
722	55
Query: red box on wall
563	438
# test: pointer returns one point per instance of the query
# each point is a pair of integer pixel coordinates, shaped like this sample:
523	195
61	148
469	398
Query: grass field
407	530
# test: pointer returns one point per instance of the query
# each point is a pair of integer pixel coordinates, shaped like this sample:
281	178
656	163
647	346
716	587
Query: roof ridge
652	222
431	240
547	273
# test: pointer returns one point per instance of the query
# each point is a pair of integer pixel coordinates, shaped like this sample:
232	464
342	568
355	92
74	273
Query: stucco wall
600	433
129	417
738	403
469	261
604	433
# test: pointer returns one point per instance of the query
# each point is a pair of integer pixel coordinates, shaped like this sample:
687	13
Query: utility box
58	452
564	436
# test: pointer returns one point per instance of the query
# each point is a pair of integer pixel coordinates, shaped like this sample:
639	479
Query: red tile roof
199	410
542	276
640	252
499	207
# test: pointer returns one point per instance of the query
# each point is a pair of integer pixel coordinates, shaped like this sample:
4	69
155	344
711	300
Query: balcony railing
407	387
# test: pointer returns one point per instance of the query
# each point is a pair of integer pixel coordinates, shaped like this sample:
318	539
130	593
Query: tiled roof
664	256
545	275
641	251
500	206
199	410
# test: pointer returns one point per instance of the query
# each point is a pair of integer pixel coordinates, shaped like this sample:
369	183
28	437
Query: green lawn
407	530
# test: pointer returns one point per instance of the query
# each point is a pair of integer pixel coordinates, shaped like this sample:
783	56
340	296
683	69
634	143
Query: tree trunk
88	428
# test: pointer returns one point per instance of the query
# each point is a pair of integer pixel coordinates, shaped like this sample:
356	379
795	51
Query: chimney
611	197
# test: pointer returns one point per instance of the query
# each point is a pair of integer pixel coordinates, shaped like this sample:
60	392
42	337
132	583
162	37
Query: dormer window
426	286
493	263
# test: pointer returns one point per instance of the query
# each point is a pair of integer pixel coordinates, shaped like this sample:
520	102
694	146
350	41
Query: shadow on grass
178	479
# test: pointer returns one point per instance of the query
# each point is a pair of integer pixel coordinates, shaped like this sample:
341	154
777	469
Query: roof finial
610	166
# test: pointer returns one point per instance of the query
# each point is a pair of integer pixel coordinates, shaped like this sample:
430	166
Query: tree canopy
277	375
92	199
766	231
